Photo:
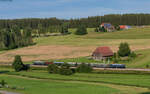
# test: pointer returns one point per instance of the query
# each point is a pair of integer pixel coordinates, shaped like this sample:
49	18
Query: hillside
73	46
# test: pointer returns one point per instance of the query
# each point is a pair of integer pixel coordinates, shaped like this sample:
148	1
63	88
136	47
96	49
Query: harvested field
46	53
53	52
73	46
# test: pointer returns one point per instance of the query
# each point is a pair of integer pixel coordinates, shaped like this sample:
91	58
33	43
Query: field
40	82
56	87
73	46
141	61
78	49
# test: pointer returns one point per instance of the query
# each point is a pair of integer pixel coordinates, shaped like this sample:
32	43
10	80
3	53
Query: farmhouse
109	27
102	53
124	27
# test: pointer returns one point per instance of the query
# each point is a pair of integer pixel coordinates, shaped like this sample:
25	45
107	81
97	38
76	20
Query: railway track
120	69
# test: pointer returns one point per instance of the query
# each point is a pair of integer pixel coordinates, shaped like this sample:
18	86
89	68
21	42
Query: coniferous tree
124	50
18	64
13	38
81	30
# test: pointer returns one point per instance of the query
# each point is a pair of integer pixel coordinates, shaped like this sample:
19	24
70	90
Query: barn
124	27
108	26
102	53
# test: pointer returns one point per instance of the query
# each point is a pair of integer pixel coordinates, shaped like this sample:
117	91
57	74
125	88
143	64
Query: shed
124	26
102	53
108	26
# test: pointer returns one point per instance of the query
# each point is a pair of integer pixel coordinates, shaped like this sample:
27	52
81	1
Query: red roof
123	26
104	51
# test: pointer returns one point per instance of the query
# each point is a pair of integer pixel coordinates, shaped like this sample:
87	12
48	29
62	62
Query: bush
102	29
81	30
83	68
96	30
65	69
147	66
18	64
133	55
53	68
26	67
117	27
3	83
73	70
124	50
64	30
115	60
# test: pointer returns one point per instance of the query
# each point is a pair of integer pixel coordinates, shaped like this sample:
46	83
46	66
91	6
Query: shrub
81	30
18	64
65	69
76	64
3	83
83	68
117	27
13	87
124	50
73	70
26	67
102	29
147	66
53	68
115	60
64	30
133	55
96	30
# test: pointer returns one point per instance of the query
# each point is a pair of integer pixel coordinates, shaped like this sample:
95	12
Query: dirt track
5	92
54	52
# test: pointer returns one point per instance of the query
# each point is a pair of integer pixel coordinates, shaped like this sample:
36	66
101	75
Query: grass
40	82
134	36
141	60
134	33
33	86
118	79
79	60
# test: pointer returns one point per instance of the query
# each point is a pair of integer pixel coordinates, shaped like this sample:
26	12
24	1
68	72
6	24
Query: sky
67	9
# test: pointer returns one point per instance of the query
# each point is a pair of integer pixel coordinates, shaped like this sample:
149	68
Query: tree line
90	22
11	38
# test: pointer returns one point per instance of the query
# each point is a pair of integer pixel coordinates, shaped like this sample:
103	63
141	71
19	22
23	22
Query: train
75	64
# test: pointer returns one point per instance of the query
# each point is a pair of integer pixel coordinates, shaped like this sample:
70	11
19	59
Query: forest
15	33
11	38
90	22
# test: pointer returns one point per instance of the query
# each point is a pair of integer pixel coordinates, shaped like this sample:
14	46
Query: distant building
102	53
108	26
124	27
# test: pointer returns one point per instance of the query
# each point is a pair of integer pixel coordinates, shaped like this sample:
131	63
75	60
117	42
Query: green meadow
41	82
33	86
134	36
